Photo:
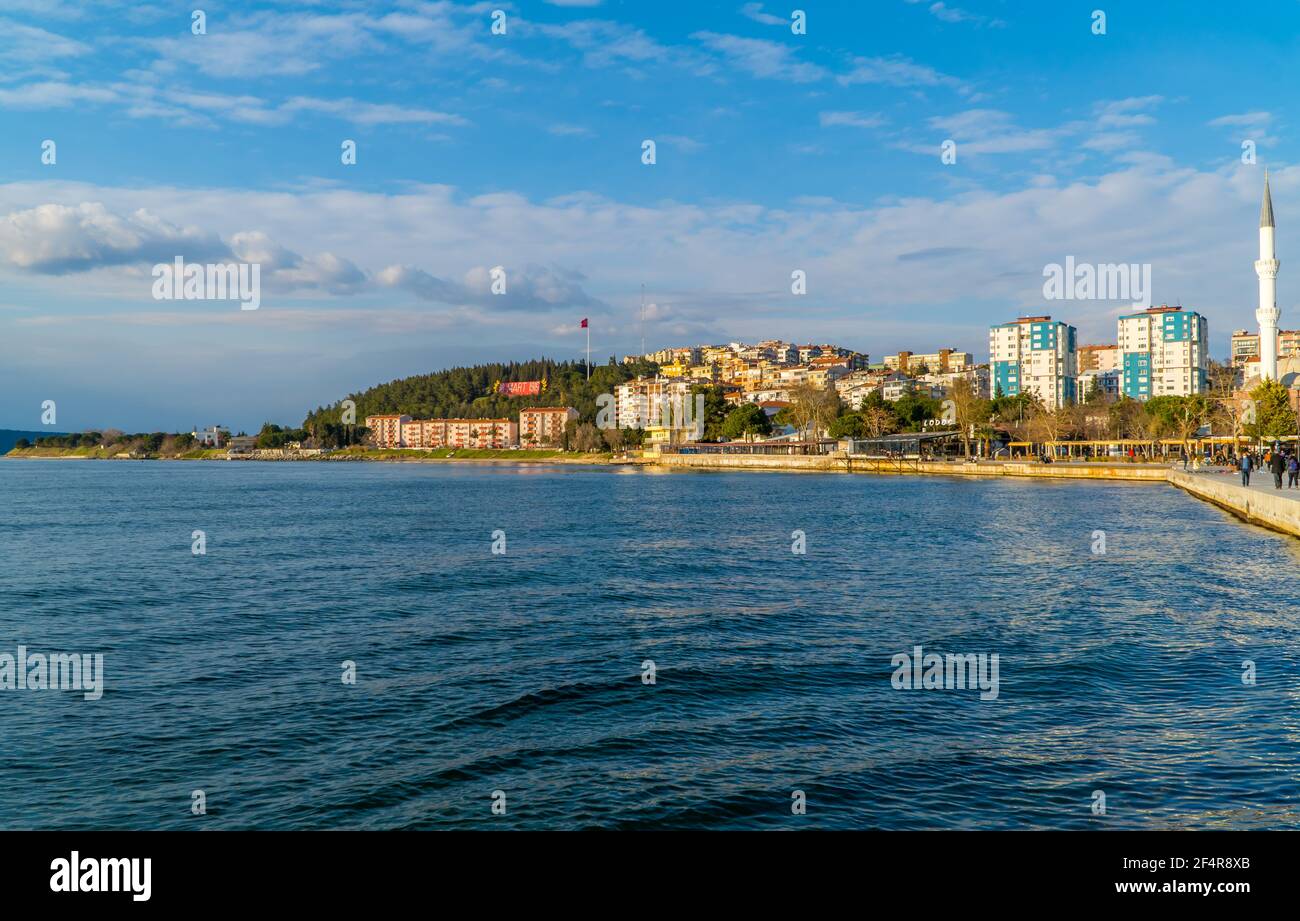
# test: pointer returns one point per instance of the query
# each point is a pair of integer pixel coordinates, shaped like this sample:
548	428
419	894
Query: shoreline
494	457
1278	513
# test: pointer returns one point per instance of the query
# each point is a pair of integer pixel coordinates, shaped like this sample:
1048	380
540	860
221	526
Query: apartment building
544	425
482	433
1099	358
978	376
386	429
1164	353
1035	355
940	362
649	403
1107	382
401	431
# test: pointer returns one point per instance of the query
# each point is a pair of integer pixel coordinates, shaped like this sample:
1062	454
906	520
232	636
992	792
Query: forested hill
9	437
466	393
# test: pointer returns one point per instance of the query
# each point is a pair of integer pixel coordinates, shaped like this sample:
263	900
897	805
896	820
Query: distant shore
345	455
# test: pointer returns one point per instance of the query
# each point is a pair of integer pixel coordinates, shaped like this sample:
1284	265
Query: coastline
1278	513
368	456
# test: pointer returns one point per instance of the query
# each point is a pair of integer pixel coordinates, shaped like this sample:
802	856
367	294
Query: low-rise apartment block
1100	358
401	431
940	362
386	429
544	425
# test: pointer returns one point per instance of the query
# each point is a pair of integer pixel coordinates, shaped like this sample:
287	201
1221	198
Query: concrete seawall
1277	511
841	463
825	463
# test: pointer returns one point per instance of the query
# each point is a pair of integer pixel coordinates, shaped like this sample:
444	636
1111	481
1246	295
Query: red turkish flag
584	323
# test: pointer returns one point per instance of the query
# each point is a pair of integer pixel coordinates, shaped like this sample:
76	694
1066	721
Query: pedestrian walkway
1260	480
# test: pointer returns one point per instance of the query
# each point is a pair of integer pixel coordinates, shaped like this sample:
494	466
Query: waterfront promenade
1259	503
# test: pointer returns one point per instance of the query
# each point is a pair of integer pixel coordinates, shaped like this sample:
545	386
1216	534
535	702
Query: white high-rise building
1266	268
1164	352
1035	355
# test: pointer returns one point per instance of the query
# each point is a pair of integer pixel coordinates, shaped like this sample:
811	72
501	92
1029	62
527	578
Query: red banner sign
520	388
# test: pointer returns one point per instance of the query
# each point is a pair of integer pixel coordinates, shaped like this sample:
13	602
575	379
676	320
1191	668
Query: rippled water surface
522	672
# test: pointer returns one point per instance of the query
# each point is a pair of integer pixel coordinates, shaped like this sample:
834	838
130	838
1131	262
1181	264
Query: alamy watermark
220	281
57	671
1103	282
675	412
931	671
75	873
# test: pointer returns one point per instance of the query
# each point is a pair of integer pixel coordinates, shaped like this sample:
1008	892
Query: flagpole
588	350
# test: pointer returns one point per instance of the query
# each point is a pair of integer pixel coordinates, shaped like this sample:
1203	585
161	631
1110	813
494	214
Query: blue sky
775	152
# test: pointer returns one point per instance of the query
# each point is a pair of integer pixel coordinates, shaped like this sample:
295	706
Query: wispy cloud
566	130
850	119
147	100
759	57
897	70
531	287
952	14
755	12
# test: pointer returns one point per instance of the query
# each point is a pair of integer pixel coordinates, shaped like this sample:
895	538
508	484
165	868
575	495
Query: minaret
1266	268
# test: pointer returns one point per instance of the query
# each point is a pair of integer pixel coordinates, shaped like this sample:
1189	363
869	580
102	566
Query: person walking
1276	465
1245	469
1292	472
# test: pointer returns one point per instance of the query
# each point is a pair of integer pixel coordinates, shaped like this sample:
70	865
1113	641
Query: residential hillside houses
768	372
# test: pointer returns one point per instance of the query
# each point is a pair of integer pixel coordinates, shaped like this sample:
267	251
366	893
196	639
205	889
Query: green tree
913	410
1273	413
1179	417
716	411
849	425
746	419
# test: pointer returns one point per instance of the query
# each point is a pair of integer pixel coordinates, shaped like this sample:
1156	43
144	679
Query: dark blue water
522	672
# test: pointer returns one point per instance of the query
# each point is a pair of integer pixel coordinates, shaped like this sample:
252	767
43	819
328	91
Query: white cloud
56	239
368	113
755	12
1255	126
533	287
850	119
205	109
761	58
990	131
951	14
22	44
565	130
897	70
722	265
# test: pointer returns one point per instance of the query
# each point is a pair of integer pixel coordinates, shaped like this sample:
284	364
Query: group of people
1275	461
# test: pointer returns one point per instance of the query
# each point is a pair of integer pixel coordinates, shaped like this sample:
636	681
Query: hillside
9	437
466	393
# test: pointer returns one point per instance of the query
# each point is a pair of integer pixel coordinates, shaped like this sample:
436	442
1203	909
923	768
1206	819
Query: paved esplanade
1261	480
